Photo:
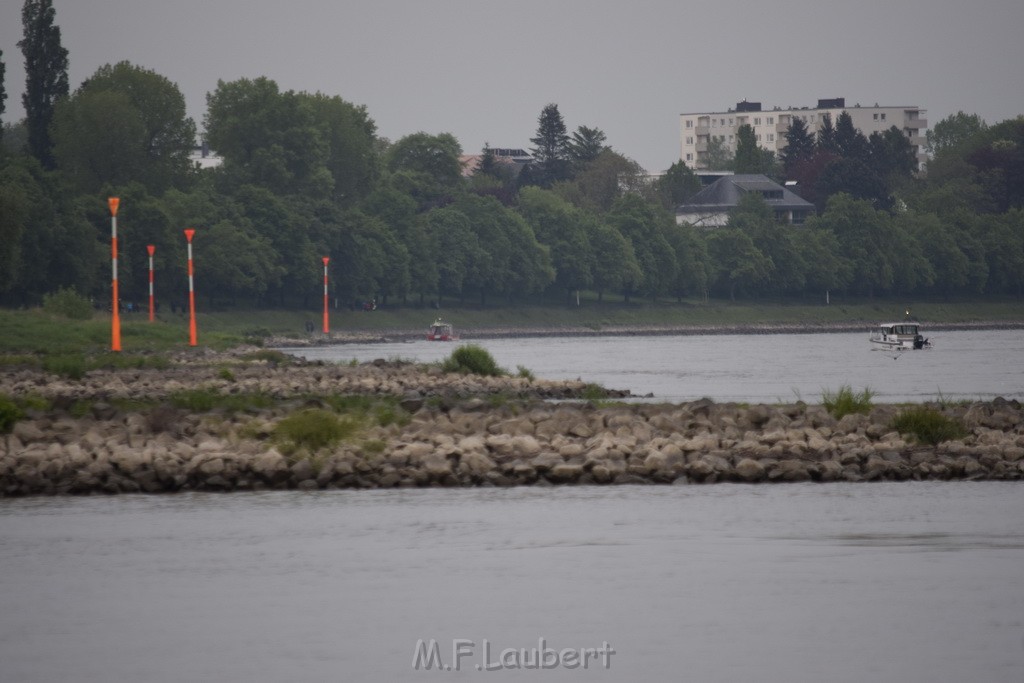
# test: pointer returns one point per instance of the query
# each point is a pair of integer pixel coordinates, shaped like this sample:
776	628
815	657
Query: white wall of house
770	125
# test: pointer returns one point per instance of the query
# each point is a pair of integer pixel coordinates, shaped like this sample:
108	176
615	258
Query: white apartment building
697	130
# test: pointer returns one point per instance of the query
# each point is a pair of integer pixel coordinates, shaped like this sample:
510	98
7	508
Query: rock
563	473
546	461
212	467
750	470
271	467
525	446
790	470
476	464
28	432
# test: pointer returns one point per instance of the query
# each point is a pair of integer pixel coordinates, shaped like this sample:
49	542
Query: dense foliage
306	176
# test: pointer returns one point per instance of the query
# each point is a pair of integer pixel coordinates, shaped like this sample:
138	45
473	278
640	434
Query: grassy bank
34	331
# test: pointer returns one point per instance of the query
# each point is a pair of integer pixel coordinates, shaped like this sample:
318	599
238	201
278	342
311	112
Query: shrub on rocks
928	425
9	414
474	360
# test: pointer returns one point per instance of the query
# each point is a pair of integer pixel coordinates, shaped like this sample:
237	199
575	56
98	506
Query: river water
910	581
792	582
962	365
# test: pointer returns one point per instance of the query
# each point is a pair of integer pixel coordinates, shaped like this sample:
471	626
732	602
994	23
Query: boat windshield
905	329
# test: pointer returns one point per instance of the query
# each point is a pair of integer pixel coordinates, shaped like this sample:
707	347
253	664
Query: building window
771	137
771	120
689	140
876	116
757	120
730	122
883	116
723	122
689	123
689	157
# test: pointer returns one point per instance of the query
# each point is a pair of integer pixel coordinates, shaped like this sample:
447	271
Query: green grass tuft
525	373
314	429
846	401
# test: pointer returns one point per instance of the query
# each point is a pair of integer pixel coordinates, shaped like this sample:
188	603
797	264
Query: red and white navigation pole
327	328
150	249
115	320
189	232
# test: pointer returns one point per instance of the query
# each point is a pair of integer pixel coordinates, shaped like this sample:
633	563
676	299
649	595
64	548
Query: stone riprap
116	431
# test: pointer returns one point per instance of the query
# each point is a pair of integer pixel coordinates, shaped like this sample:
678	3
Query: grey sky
483	69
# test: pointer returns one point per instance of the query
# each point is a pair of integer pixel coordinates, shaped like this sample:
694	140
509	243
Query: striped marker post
150	249
327	328
189	232
115	320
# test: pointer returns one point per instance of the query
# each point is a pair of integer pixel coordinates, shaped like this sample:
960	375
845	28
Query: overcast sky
483	69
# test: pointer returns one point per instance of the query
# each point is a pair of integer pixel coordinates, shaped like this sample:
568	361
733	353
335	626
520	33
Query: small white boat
441	331
903	336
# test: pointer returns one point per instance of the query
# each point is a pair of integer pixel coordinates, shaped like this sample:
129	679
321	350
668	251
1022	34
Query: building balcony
702	130
915	123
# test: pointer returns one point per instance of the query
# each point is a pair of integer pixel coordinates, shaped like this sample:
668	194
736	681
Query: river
773	368
793	582
911	581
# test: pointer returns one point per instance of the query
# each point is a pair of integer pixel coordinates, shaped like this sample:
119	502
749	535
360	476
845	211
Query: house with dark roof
710	207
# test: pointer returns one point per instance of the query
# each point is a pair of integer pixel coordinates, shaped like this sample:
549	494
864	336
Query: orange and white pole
115	320
327	328
150	249
189	232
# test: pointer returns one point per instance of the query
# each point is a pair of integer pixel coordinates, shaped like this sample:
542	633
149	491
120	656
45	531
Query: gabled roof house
711	206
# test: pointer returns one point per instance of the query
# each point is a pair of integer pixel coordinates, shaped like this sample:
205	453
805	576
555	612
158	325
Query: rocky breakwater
125	431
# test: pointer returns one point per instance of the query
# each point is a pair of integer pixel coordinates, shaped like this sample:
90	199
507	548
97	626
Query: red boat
441	331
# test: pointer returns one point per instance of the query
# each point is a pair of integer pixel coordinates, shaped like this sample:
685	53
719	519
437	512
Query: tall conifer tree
551	154
46	75
799	145
3	91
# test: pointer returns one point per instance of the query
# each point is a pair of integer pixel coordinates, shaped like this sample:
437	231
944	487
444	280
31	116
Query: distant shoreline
365	336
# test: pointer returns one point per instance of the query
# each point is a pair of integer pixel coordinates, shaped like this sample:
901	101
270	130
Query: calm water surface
754	368
818	582
882	582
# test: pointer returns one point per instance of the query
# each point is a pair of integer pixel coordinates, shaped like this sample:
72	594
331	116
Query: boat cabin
441	331
905	335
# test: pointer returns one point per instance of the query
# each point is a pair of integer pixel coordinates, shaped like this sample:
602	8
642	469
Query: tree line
306	175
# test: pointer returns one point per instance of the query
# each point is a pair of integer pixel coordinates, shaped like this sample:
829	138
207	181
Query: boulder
750	470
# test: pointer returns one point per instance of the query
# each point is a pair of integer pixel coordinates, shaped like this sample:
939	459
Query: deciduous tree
677	185
953	131
558	225
123	124
646	227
